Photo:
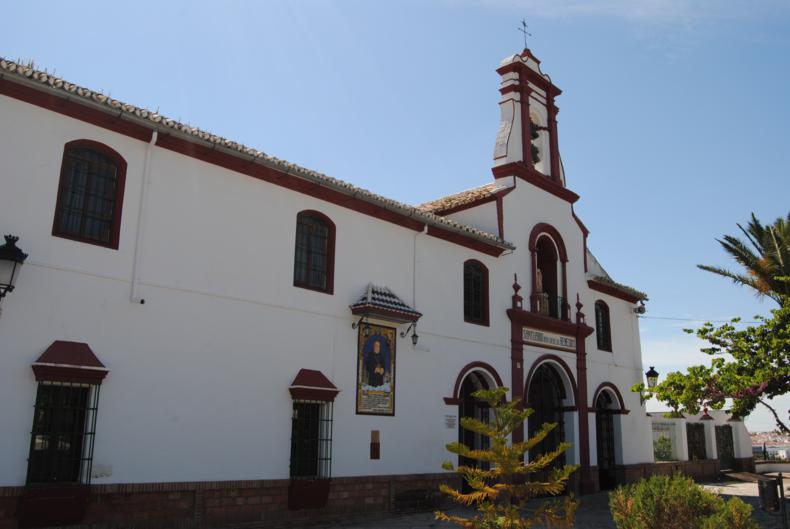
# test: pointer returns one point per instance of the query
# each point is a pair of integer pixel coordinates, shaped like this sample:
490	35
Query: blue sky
674	123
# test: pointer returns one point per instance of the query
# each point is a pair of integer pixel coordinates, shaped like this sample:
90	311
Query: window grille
312	262
89	190
602	328
475	293
64	428
311	440
695	435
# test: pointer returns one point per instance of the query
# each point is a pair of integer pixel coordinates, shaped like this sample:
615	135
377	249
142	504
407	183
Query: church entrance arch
473	407
546	395
605	409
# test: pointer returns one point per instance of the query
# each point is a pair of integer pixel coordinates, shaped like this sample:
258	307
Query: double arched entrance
473	377
550	393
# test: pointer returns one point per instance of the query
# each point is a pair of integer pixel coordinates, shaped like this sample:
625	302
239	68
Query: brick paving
593	513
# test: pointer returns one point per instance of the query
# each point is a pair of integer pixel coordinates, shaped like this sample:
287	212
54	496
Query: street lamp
652	377
11	258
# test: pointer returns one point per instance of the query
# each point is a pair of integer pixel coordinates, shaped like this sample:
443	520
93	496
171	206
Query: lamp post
652	377
652	380
11	258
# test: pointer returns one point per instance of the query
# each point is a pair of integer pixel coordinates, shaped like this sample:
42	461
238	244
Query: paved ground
593	513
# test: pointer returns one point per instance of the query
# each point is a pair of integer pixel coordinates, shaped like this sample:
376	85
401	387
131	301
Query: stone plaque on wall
543	338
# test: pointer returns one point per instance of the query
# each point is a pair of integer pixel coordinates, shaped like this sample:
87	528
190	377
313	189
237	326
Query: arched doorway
470	406
545	397
605	408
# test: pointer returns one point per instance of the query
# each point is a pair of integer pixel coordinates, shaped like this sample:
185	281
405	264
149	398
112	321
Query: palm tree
766	261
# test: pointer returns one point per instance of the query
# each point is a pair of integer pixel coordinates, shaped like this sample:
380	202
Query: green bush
663	502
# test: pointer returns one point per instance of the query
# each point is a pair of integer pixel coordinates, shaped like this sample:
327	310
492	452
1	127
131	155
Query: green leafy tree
501	485
750	366
765	257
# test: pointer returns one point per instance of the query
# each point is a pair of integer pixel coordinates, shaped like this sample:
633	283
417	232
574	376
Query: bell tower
526	143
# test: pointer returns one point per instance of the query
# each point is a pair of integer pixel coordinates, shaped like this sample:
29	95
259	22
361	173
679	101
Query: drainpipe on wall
141	214
414	267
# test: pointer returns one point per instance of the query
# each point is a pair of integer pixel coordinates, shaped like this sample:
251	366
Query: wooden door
724	447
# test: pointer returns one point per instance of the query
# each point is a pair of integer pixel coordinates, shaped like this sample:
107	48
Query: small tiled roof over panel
41	80
464	198
381	302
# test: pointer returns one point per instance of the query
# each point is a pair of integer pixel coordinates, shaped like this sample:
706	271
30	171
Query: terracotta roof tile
10	69
461	199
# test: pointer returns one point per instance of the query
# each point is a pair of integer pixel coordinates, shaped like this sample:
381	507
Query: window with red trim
90	194
475	292
315	252
603	331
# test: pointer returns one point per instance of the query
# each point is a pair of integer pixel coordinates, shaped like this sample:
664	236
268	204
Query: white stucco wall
198	380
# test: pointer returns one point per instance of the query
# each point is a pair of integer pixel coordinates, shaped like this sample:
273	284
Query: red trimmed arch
613	389
547	229
556	360
468	368
541	229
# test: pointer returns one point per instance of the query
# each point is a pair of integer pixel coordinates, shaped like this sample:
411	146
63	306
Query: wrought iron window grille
311	440
63	434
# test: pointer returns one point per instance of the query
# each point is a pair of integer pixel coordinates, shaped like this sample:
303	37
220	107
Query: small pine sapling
500	492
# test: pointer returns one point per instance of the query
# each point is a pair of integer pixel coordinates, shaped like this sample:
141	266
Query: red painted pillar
588	481
516	357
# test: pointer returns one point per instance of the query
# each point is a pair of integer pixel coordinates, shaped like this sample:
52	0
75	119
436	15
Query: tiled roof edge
154	120
621	287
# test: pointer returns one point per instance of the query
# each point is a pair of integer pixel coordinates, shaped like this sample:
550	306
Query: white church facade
202	333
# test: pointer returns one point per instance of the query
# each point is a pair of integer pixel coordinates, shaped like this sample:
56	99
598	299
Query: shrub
663	502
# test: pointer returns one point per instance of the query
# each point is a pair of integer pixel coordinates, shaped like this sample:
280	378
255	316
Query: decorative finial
523	29
517	300
578	303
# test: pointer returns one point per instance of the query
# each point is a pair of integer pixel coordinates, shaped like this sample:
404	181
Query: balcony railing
551	306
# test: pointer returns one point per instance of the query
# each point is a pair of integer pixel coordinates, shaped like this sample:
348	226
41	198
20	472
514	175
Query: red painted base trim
308	494
52	506
256	502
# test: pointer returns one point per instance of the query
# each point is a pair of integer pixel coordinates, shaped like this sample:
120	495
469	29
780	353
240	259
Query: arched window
475	292
549	286
603	331
90	194
314	261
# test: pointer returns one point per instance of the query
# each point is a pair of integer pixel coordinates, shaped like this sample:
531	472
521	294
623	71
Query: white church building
203	334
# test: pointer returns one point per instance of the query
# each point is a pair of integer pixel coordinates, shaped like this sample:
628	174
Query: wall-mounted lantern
363	323
414	337
11	258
